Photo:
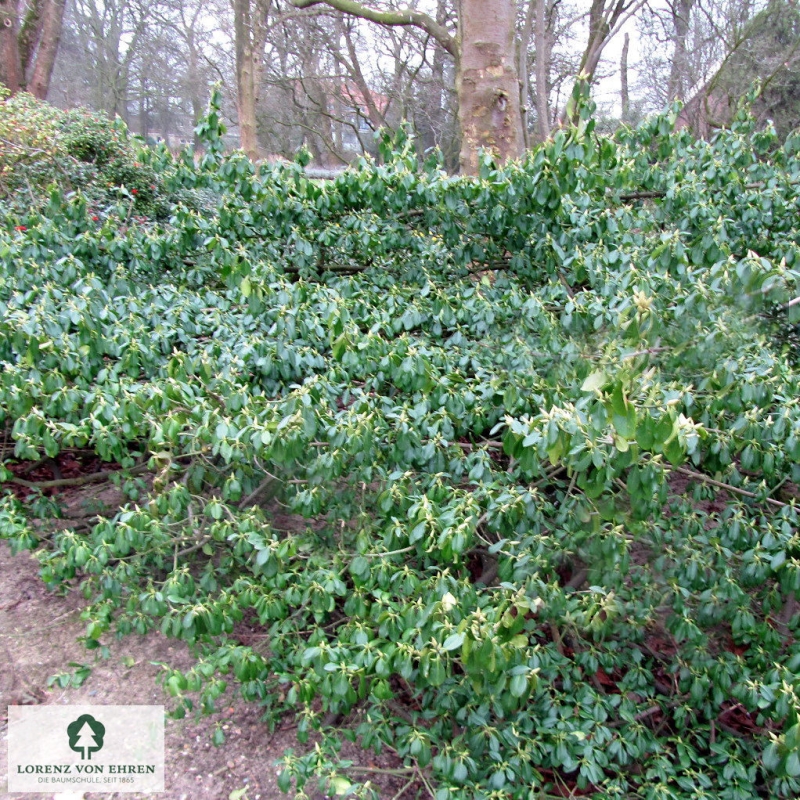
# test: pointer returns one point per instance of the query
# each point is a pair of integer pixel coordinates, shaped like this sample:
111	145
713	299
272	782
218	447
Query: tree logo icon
86	735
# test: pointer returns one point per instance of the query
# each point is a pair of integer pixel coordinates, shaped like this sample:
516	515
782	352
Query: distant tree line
463	74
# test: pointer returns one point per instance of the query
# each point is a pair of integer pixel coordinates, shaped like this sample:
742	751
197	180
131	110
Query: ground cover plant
543	426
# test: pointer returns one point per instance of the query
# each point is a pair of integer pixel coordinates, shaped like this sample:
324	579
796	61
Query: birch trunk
487	83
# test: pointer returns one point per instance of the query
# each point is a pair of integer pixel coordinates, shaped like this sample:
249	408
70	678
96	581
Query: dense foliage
543	427
46	150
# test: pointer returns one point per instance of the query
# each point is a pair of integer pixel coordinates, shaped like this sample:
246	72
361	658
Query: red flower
95	218
134	191
20	228
152	186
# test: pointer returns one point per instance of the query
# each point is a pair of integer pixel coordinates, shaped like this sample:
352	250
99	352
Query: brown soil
38	639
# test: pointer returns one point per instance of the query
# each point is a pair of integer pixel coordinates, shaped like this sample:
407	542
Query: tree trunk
487	82
39	83
319	96
246	102
194	84
599	30
30	29
10	66
522	67
245	76
439	94
542	45
144	127
623	78
678	84
28	48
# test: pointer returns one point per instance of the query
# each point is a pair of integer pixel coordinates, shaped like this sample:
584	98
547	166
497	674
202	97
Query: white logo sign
86	748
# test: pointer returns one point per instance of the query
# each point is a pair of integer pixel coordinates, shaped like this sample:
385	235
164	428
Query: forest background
327	75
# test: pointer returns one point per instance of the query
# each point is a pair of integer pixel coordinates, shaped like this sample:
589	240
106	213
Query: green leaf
644	432
595	381
771	757
453	641
359	567
664	429
340	785
339	347
518	685
285	780
623	414
674	452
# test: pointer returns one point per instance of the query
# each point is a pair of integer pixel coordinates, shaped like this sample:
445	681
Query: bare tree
331	80
104	39
715	50
186	25
489	108
766	52
606	17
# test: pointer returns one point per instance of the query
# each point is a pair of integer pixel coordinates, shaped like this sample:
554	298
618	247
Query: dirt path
38	632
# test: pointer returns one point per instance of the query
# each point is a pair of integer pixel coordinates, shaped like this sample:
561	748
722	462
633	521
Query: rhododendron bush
503	470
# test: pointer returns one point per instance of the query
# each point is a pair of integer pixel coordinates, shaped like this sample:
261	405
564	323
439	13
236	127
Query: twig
645	195
214	396
488	267
406	786
202	543
557	640
548	476
79	481
648	352
258	490
578	579
778	485
383	770
422	777
54	624
728	488
390	553
648	712
564	283
656	193
342	269
489	444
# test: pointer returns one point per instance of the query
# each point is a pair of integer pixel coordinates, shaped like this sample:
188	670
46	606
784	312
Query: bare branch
406	16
